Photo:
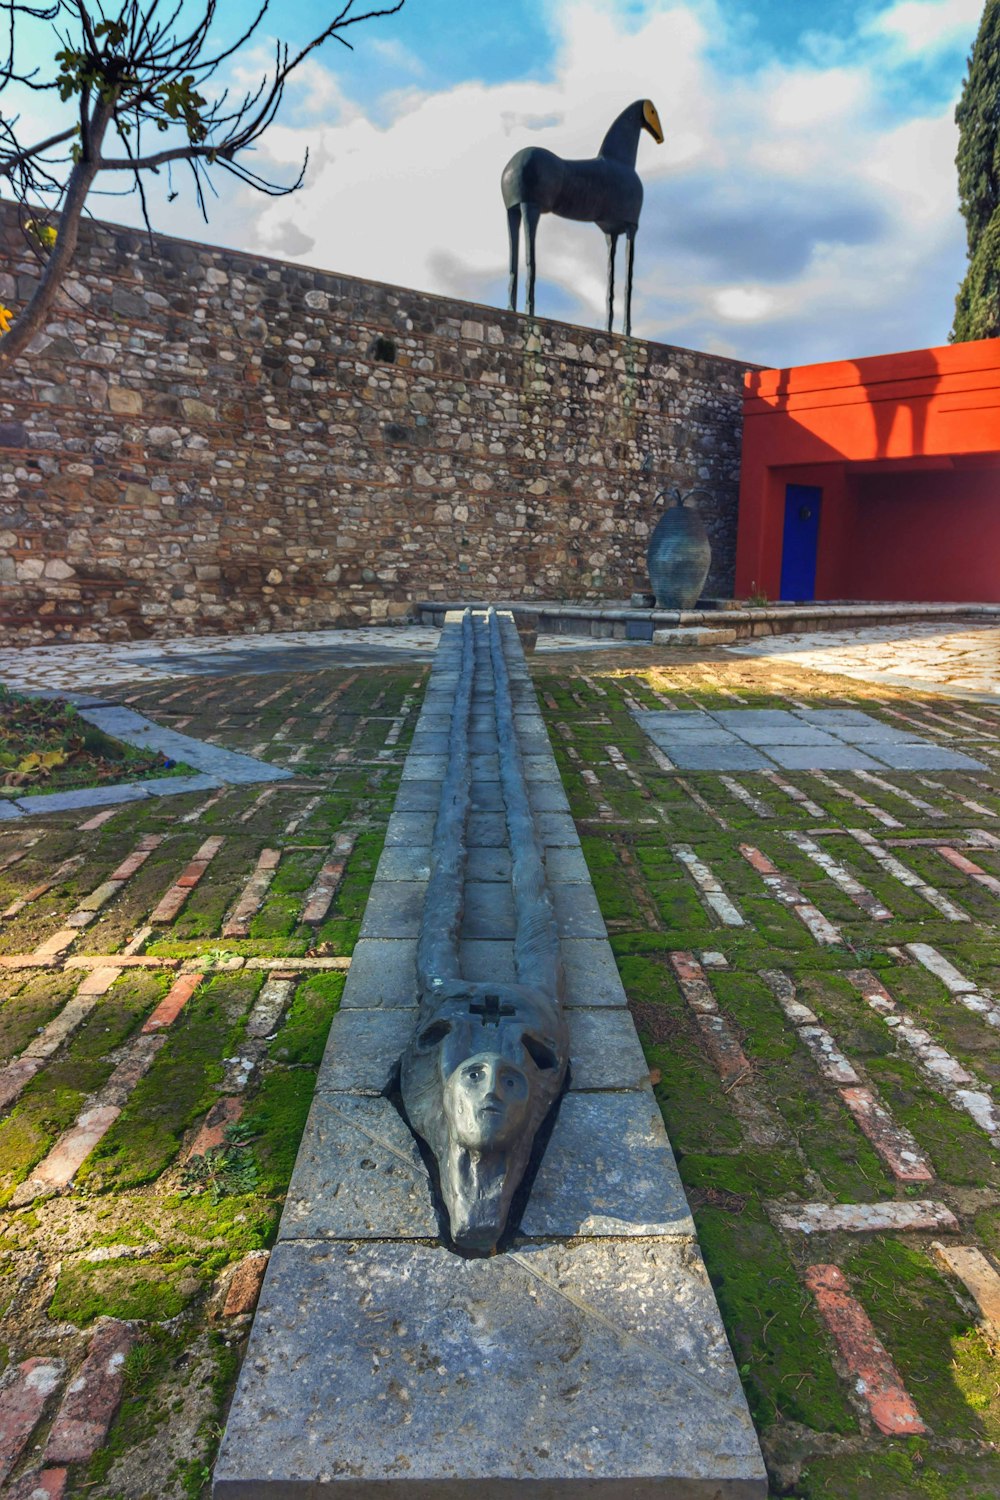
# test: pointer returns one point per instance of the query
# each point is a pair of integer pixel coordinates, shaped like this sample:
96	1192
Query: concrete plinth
597	1367
589	1358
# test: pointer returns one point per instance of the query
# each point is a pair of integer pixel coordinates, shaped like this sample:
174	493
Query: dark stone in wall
207	441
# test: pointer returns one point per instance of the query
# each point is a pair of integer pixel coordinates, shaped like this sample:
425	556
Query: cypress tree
977	306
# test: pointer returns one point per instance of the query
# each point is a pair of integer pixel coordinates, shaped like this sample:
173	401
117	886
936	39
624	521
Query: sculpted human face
486	1100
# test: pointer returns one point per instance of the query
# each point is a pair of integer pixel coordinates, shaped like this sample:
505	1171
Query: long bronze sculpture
486	1062
604	190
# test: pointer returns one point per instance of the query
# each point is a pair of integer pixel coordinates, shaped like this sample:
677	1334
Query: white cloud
788	216
917	26
391	51
743	304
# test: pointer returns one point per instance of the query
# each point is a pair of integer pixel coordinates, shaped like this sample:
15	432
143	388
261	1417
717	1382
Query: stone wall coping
94	227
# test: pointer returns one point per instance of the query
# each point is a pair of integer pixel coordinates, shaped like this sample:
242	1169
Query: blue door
798	551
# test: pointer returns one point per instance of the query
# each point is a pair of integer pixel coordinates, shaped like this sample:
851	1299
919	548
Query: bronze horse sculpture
604	190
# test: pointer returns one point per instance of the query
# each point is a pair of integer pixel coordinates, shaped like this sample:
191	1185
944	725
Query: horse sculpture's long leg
513	230
612	240
629	259
530	214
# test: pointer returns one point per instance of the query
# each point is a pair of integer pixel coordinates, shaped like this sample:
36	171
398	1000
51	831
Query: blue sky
803	205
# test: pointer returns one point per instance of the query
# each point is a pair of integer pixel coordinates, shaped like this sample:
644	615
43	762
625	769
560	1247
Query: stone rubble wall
210	441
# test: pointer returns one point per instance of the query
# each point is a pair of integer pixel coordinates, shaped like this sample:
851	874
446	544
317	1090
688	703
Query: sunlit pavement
77	668
958	658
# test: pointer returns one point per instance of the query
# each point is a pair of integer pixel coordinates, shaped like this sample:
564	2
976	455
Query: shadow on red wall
905	448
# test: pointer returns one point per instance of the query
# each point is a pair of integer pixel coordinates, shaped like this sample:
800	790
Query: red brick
209	849
91	1398
212	1133
969	867
722	1047
130	865
40	1484
14	1077
97	982
173	1002
244	1289
892	1141
22	1401
876	1377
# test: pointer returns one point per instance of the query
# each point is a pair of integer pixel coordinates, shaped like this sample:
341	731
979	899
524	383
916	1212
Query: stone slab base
726	621
597	1367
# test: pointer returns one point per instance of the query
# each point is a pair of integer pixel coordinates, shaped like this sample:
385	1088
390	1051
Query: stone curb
215	767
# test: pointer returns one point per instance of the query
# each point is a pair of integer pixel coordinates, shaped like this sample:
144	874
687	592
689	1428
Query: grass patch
149	1291
45	745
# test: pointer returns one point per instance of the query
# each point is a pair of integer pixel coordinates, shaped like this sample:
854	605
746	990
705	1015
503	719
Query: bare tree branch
124	72
10	164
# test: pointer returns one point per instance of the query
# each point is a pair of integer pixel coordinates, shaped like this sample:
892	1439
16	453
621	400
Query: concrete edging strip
214	766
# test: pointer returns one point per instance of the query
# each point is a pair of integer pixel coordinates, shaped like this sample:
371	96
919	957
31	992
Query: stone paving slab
604	1050
927	757
750	739
707	756
607	1170
949	656
85	796
359	1175
626	1386
363	1050
404	862
836	757
394	908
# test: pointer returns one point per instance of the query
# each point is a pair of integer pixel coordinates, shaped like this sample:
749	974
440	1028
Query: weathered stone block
363	1050
607	1170
359	1175
489	1377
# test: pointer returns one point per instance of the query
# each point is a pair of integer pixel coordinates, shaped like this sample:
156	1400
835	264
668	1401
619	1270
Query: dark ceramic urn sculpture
679	553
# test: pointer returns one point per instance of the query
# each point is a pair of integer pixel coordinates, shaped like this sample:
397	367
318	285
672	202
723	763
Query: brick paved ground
811	961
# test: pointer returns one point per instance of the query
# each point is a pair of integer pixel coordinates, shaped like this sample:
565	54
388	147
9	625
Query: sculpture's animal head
651	121
478	1078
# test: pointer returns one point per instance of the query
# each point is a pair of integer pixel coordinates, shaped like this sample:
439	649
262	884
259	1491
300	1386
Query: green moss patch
776	1335
302	1038
179	1087
24	1014
148	1290
945	1363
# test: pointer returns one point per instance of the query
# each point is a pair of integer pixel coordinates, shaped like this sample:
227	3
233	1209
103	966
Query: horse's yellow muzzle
651	121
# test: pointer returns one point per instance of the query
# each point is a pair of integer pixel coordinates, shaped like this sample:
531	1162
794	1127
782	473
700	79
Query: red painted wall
931	535
902	446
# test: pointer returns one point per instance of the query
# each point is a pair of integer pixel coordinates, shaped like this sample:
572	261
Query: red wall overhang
834	424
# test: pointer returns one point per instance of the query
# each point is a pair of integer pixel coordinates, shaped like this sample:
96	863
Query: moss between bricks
53	1098
776	1335
24	1014
150	1290
302	1039
787	1361
179	1088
